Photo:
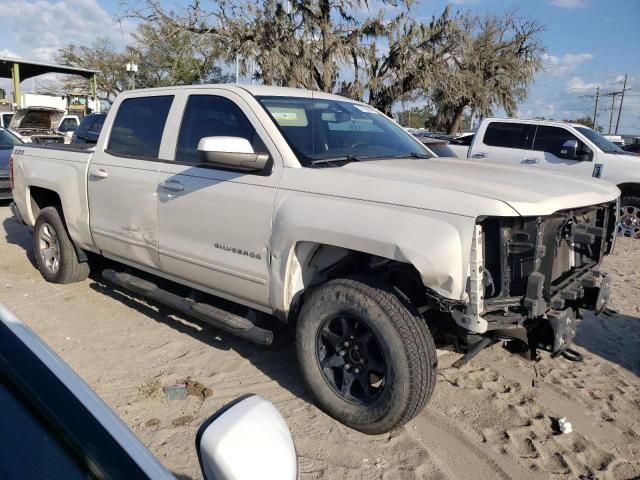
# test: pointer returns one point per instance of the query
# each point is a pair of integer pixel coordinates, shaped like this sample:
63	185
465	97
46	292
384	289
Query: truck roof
534	121
255	90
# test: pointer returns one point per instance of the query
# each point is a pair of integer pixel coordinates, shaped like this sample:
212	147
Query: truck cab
569	149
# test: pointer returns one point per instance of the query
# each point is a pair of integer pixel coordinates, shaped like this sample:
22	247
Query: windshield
602	143
8	140
318	130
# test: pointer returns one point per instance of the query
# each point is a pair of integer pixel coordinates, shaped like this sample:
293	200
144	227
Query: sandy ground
486	420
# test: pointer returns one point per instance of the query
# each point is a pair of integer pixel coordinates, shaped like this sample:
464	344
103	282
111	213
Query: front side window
508	135
68	125
138	126
321	130
6	118
212	116
550	139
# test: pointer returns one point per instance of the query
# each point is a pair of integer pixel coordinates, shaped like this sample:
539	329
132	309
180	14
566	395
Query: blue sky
588	42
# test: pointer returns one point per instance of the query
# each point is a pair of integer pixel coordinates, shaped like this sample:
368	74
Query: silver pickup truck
323	213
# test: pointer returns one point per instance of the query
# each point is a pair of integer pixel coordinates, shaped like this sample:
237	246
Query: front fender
436	244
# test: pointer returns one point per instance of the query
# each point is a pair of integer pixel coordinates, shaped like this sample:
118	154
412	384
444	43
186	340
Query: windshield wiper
355	158
346	158
414	155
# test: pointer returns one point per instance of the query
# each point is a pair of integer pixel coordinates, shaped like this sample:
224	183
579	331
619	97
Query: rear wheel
55	253
629	222
368	359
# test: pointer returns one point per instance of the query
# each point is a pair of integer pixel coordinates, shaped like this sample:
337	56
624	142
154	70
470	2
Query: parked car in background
44	125
89	129
436	147
54	426
632	148
5	119
460	144
617	140
8	140
571	149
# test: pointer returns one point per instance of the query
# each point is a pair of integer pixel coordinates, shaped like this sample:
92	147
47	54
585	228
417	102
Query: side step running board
215	316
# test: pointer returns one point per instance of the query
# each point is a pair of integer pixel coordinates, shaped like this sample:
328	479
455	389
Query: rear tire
55	253
367	357
629	222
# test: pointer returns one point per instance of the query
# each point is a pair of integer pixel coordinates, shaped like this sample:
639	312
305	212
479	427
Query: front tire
629	221
55	253
368	359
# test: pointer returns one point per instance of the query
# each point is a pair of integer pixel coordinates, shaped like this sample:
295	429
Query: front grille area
47	140
554	248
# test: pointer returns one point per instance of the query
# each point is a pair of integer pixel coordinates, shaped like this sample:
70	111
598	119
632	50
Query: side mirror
231	152
246	440
569	150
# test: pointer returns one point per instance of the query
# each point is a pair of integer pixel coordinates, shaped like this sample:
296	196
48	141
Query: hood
36	119
459	186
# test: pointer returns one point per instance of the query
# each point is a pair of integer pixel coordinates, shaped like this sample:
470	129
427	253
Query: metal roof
33	69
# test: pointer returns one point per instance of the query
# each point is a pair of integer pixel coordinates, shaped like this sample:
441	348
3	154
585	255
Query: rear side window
96	126
138	126
550	139
507	135
212	116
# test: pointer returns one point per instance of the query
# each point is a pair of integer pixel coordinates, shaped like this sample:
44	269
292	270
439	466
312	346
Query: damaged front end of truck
531	277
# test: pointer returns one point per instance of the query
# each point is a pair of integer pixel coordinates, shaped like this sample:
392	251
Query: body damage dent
433	243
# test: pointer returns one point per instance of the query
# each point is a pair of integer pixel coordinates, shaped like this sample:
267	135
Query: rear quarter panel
62	171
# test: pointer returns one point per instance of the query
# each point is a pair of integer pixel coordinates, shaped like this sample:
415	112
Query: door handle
99	173
172	185
529	161
479	155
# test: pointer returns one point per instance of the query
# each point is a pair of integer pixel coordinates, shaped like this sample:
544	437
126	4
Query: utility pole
595	110
613	103
624	88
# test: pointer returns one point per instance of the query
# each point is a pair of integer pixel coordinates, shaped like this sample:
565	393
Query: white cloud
569	3
564	64
41	27
6	53
577	83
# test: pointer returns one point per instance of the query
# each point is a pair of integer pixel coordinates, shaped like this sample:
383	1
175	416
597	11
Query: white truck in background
566	148
323	213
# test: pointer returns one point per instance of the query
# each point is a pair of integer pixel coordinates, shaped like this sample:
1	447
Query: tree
170	56
101	56
411	65
165	56
304	46
415	117
492	66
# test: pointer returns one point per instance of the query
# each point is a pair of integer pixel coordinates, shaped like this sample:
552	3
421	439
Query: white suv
568	148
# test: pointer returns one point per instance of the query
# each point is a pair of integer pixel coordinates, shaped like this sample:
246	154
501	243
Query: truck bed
61	169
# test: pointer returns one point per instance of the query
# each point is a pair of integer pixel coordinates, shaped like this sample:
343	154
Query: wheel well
42	198
315	263
629	189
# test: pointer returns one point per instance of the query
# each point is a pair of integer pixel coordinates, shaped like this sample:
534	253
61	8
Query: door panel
123	211
215	225
123	180
215	229
506	143
547	145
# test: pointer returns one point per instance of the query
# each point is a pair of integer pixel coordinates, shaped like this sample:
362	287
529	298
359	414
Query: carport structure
19	70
